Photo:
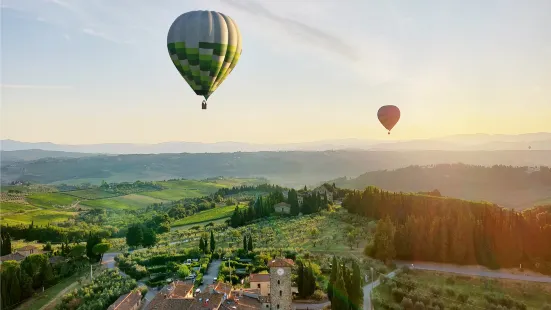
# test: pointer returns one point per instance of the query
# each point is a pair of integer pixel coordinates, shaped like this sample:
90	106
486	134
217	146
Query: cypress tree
245	244
356	291
340	297
212	242
250	244
332	278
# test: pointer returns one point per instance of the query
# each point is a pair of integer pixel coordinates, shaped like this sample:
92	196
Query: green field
15	207
181	189
207	215
51	200
40	217
128	202
445	288
91	194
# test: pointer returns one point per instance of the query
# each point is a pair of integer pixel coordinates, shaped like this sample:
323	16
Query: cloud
304	31
94	33
67	37
31	86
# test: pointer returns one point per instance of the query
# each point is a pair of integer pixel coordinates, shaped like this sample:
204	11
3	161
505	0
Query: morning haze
348	155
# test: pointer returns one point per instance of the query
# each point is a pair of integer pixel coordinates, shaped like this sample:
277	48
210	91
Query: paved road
211	274
475	271
367	290
310	306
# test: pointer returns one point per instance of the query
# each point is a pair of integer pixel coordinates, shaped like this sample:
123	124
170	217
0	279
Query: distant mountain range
470	142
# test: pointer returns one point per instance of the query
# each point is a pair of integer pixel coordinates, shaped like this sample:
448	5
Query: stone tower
281	296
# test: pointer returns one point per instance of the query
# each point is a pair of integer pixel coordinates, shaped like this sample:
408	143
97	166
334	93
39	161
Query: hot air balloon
388	116
204	46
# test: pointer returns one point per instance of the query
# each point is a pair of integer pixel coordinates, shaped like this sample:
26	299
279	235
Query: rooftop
281	262
28	248
14	256
259	277
127	301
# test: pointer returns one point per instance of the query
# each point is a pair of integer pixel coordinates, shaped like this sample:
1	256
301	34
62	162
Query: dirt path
51	305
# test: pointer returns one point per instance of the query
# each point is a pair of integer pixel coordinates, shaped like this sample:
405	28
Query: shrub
450	281
450	292
462	297
318	295
398	294
546	307
419	306
407	303
436	291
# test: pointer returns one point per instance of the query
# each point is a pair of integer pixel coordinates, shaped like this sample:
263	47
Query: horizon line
280	143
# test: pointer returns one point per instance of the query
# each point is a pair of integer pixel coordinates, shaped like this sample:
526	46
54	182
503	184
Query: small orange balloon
388	115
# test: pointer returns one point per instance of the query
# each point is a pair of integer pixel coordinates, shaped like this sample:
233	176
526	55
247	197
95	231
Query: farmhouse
260	282
130	301
282	208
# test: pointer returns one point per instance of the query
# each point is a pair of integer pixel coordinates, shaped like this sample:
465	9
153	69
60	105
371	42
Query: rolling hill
510	187
290	169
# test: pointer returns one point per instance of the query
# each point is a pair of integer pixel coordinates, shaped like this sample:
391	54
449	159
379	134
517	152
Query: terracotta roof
223	288
14	256
259	277
281	262
162	303
181	289
246	303
27	248
127	301
213	302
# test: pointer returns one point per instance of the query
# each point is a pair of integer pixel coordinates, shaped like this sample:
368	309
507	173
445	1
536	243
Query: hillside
285	168
510	187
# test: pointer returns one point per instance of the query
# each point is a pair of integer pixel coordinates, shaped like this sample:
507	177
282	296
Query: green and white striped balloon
204	46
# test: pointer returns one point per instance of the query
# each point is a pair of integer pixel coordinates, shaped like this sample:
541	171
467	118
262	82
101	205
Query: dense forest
439	229
507	186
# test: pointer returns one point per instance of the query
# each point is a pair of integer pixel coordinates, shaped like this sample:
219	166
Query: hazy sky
83	71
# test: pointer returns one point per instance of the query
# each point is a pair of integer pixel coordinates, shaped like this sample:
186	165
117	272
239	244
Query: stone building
281	296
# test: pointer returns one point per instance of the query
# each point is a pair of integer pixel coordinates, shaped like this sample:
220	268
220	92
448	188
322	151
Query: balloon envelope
204	46
388	116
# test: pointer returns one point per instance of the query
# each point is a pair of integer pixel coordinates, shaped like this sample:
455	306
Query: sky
83	71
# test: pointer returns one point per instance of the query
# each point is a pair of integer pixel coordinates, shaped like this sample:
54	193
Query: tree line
431	228
19	280
263	206
344	288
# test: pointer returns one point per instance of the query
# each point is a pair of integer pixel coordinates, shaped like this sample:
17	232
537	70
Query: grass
91	194
40	217
206	216
6	206
188	226
51	200
127	202
534	295
181	189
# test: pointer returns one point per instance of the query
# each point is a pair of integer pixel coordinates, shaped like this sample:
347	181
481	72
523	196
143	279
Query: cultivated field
51	200
206	216
127	202
40	217
91	194
181	189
